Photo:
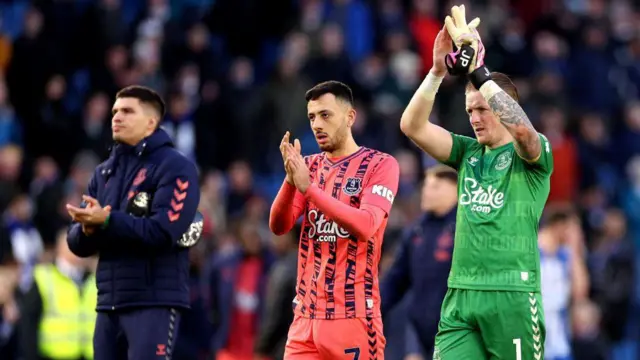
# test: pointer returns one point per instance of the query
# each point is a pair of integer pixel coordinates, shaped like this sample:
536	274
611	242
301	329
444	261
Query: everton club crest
352	186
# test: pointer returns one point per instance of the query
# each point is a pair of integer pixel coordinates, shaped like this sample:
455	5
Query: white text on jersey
481	200
324	230
383	191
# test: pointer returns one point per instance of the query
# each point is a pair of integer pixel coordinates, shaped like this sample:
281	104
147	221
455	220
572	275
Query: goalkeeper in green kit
493	307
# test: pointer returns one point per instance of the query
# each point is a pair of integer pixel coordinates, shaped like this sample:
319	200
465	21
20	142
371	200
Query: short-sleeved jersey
337	272
500	201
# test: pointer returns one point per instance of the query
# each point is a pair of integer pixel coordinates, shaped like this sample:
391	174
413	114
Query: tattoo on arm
516	121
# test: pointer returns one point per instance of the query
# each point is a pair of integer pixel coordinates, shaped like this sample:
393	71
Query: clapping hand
297	171
441	48
470	54
91	216
284	150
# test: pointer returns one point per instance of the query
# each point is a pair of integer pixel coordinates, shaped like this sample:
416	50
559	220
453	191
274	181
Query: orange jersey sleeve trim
286	209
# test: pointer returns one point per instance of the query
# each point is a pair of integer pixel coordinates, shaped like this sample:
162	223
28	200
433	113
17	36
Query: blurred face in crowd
22	208
10	162
439	195
485	124
132	120
567	230
615	225
63	252
250	239
331	120
240	177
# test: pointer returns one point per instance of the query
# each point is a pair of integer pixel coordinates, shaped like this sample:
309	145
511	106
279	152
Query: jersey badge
503	161
353	186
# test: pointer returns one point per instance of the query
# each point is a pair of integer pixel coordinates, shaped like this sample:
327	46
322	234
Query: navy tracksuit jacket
421	267
142	276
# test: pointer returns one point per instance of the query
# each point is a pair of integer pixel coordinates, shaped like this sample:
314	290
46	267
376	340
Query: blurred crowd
234	73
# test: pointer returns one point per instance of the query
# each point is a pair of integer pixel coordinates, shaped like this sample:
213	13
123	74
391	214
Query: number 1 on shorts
518	345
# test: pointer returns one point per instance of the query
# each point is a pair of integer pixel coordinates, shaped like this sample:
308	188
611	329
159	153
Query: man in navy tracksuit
422	264
139	203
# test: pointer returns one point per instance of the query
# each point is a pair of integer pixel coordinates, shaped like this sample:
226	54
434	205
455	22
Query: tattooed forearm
516	121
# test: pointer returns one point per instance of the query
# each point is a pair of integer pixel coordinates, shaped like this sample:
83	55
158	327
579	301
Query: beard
336	141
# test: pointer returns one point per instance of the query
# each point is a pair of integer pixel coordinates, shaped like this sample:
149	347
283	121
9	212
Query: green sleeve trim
106	222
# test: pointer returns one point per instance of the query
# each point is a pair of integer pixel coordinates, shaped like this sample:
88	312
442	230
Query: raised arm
289	204
414	123
467	39
287	207
511	115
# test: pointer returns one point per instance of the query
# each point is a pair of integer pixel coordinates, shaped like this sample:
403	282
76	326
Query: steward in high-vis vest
58	309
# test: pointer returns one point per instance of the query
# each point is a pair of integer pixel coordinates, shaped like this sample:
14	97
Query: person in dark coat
140	202
278	314
423	260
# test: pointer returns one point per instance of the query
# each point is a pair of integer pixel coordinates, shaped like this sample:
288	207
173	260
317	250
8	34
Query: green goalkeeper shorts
500	325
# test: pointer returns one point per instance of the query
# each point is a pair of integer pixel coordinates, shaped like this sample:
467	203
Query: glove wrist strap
459	62
479	76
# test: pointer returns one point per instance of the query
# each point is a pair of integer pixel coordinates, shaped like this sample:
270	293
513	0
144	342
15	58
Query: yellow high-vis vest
68	314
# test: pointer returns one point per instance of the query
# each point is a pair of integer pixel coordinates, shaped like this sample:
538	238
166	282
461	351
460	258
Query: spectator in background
57	310
630	199
628	139
241	187
26	241
9	313
565	279
277	313
10	126
179	124
46	190
588	343
424	28
237	282
564	180
595	153
94	132
423	261
195	328
11	158
612	268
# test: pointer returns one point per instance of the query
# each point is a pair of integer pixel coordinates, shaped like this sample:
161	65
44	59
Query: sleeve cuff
105	224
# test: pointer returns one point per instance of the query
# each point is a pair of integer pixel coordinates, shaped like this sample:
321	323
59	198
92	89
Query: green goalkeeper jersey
500	202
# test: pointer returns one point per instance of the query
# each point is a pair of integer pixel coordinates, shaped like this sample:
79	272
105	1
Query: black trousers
136	334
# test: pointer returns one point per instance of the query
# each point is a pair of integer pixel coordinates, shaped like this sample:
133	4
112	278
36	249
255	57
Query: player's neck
507	138
349	147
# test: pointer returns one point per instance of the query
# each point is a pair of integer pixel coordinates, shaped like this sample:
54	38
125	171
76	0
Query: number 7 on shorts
355	351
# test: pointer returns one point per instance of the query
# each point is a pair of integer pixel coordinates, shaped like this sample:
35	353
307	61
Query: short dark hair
443	172
340	90
146	96
505	83
559	215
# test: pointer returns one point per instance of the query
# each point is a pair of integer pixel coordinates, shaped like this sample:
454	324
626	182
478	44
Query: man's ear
351	117
154	123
